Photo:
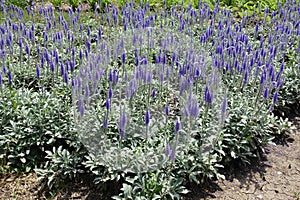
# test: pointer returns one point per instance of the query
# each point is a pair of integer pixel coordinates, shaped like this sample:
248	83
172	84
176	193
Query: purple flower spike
275	97
100	32
266	93
157	59
110	76
0	80
167	110
89	31
207	95
10	77
280	71
38	72
153	94
123	120
173	154
263	77
147	117
110	93
66	77
281	67
123	58
107	104
136	61
105	122
246	77
168	148
27	50
80	54
81	107
164	59
224	104
4	69
20	42
87	91
177	125
174	57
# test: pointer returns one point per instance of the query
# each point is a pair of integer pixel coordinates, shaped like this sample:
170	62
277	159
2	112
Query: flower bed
151	100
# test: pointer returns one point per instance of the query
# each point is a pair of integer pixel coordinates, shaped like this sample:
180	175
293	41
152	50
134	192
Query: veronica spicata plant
164	97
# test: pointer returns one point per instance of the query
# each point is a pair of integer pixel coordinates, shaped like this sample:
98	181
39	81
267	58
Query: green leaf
23	160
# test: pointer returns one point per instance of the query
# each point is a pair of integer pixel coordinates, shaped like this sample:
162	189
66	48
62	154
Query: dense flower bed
152	100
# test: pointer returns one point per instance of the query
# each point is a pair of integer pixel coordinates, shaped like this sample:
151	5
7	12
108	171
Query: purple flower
105	122
100	32
20	42
62	69
147	117
275	97
207	96
173	154
73	52
73	82
149	77
110	93
144	60
38	72
263	77
266	92
161	77
153	93
27	50
224	104
113	76
177	125
107	104
167	109
246	77
157	59
87	90
86	52
168	148
170	152
88	45
164	59
280	71
80	54
66	77
89	31
81	107
10	77
137	61
4	69
42	61
174	57
123	58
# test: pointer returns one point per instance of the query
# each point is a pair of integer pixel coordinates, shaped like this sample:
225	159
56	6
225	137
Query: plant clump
151	100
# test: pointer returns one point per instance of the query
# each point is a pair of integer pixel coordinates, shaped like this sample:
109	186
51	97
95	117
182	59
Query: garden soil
276	176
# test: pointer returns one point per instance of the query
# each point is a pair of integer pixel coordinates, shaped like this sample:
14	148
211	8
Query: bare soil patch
275	176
